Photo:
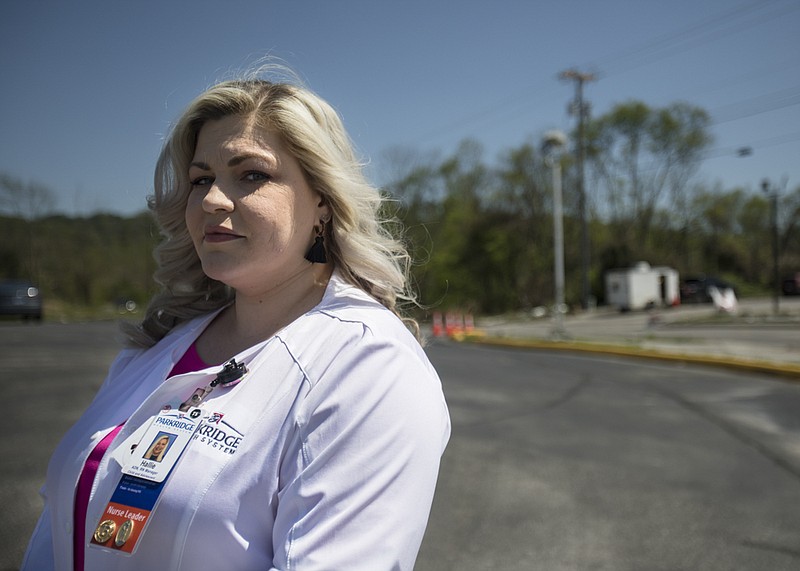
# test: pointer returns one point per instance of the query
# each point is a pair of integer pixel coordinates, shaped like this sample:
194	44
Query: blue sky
90	87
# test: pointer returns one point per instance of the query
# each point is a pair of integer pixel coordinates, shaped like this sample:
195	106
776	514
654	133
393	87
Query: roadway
557	461
568	461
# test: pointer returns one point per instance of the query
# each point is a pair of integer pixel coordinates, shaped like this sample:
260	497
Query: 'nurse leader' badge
144	475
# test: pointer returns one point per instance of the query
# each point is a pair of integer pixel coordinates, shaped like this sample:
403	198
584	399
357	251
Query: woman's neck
252	318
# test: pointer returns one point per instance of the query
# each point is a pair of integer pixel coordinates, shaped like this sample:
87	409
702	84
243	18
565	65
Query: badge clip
230	375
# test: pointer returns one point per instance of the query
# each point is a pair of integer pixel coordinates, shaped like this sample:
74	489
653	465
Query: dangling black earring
316	254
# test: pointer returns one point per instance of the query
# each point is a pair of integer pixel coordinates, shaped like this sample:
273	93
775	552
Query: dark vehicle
696	290
791	285
20	298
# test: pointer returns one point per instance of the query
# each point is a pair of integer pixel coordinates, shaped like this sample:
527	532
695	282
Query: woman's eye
201	181
255	176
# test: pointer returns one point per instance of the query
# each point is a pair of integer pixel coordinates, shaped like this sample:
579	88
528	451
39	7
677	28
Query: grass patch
62	312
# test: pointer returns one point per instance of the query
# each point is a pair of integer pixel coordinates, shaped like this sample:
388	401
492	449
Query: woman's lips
219	234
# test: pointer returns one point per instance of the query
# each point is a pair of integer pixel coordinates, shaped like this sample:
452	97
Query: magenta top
190	361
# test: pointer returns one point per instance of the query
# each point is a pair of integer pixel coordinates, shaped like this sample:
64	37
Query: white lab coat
342	424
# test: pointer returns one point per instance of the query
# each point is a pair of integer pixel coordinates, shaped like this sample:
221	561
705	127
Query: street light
776	274
553	144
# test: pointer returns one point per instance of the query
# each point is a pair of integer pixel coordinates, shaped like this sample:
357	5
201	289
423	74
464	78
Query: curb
786	370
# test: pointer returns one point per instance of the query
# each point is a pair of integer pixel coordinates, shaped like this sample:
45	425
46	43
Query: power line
508	106
785	67
757	105
709	29
747	148
705	31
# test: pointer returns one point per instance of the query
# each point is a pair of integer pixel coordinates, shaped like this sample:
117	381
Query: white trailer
642	287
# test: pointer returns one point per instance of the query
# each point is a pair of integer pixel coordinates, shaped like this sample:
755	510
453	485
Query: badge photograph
162	444
159	447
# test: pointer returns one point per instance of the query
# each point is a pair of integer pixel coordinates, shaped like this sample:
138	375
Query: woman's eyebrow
200	165
239	159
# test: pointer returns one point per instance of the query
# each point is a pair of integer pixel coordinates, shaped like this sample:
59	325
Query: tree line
481	234
85	261
484	233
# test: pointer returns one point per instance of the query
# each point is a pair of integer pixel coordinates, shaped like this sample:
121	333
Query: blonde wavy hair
358	242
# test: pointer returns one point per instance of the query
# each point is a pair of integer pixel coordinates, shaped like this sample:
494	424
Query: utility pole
581	109
772	194
553	146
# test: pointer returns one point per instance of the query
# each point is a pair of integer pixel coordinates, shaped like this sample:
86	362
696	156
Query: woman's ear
323	210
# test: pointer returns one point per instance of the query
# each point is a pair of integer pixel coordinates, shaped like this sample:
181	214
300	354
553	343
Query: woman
157	450
317	445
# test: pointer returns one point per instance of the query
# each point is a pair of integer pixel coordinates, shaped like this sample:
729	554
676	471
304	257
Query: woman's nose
216	199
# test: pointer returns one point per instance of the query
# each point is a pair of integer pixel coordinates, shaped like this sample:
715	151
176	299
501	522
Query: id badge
144	475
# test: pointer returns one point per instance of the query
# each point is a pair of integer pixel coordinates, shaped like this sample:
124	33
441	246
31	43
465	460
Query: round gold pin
124	533
105	530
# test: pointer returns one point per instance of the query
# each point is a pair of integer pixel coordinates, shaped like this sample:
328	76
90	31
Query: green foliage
643	159
481	235
89	262
26	200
